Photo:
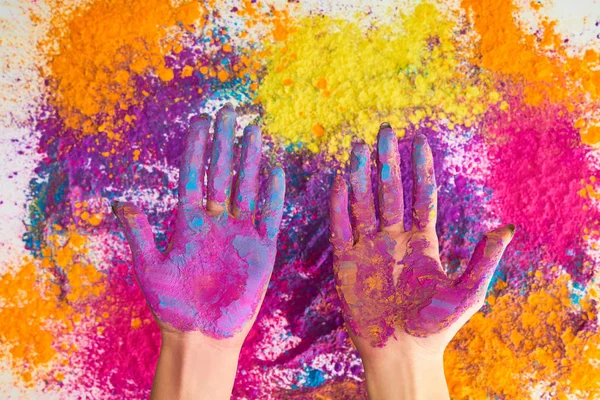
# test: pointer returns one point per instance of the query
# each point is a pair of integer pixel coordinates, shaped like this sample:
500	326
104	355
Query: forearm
406	377
189	368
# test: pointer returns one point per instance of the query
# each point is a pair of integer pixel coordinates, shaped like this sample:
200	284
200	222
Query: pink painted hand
214	274
396	297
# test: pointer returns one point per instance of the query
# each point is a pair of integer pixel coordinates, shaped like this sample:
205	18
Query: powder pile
330	81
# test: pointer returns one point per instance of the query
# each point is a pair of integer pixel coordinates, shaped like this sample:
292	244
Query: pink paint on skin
247	179
391	205
428	300
363	272
363	206
423	300
424	188
215	271
219	170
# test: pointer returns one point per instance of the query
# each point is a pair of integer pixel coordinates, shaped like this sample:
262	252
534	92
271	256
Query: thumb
485	259
137	230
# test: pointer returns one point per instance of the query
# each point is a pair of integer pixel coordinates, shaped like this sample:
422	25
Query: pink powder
537	167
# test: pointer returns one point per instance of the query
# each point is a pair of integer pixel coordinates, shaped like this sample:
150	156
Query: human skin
401	308
206	288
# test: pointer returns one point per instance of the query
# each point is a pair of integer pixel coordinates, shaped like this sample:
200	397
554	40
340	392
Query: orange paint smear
47	310
540	62
525	341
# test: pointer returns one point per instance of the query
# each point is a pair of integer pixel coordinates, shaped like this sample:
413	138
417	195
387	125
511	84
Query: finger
424	189
191	171
246	190
362	202
391	200
270	216
137	231
219	170
341	230
485	259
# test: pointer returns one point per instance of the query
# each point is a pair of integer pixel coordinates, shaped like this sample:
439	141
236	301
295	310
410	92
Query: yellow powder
96	49
31	296
329	81
525	340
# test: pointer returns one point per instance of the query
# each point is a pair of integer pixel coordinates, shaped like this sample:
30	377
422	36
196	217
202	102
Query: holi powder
101	97
414	67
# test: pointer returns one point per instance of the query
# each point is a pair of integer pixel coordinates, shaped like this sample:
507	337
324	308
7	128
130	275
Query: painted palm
214	274
391	281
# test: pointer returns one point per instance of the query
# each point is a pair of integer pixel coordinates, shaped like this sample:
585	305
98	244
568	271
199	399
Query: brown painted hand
391	281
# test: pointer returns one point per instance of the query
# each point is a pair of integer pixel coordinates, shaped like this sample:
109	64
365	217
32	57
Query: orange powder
527	340
279	21
95	49
506	49
45	310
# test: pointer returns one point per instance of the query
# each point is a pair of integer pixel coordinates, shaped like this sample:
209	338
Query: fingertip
386	132
115	207
360	157
339	184
227	110
504	233
253	132
278	173
512	228
360	148
126	209
199	118
420	139
385	143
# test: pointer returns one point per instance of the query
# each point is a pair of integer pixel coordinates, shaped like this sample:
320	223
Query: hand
395	294
211	280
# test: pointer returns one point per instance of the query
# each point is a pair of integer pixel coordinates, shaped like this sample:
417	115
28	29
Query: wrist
405	372
194	366
197	341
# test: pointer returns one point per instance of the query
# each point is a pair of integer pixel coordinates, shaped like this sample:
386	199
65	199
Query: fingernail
511	227
114	206
385	125
201	117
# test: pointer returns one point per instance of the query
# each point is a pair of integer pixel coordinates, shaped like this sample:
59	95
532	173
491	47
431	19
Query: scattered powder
330	81
50	297
538	169
539	338
72	328
97	49
538	61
